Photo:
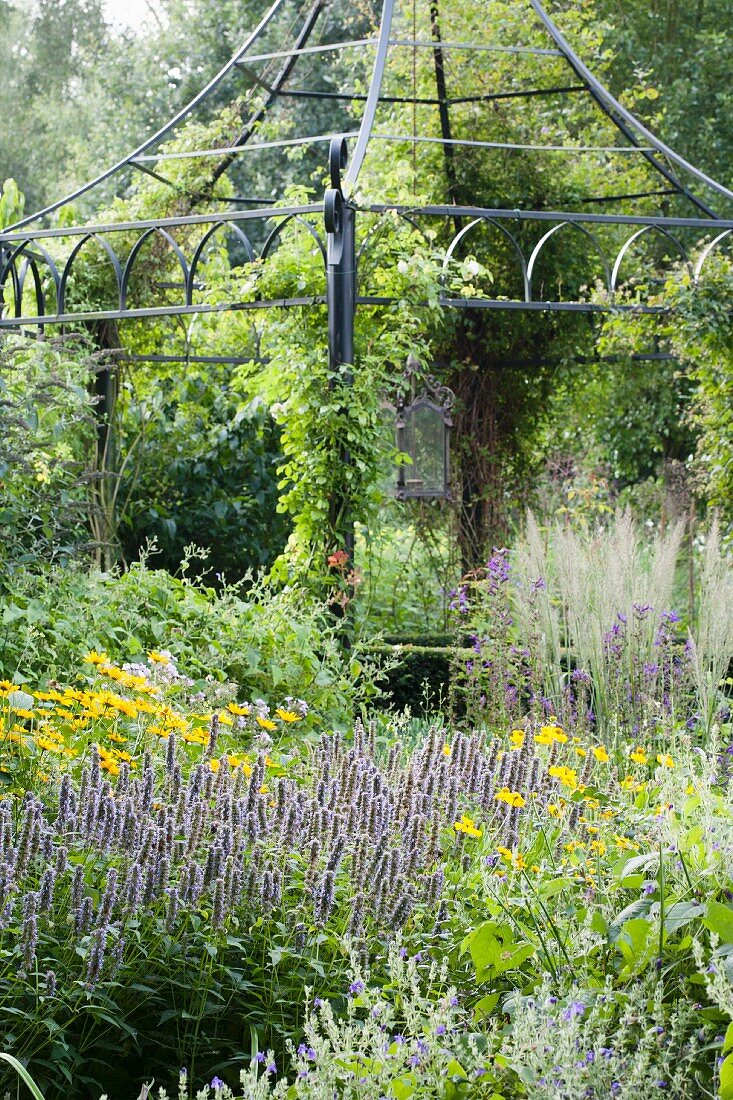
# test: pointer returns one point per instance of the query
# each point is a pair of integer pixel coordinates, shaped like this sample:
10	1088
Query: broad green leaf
726	1079
719	919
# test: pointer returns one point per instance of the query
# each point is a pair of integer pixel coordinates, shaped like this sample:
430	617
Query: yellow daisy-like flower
47	744
22	712
665	760
512	798
94	658
467	825
158	658
240	712
266	723
198	737
567	776
117	737
214	765
446	750
288	715
638	755
517	738
601	754
553	809
548	734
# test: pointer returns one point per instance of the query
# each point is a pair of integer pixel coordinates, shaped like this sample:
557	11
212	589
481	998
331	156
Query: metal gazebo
295	57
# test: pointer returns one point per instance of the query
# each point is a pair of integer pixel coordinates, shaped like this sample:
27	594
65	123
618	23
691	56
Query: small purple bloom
574	1009
356	988
217	1083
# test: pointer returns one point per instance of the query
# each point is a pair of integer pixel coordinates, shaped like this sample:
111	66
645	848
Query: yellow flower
548	734
466	825
94	658
266	723
638	755
512	798
553	809
22	713
47	744
600	753
517	738
665	760
567	776
288	715
235	708
158	658
196	738
581	752
446	750
117	737
214	765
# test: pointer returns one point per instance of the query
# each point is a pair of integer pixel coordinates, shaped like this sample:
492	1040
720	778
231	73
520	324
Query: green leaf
726	1079
681	913
719	919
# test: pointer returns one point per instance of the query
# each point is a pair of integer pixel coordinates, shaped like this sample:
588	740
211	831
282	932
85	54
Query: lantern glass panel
424	442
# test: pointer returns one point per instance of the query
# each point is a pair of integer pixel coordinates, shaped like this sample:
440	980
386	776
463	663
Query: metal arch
707	250
29	262
19	279
580	229
5	270
510	237
640	233
383	221
116	266
374	231
161	133
373	96
275	233
134	254
241	236
619	114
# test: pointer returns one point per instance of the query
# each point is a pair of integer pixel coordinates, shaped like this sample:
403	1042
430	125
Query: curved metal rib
640	233
173	122
134	254
375	89
708	249
29	260
620	116
239	234
275	233
116	267
579	228
509	236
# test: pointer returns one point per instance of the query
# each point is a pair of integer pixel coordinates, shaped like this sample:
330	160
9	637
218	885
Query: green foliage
263	641
202	473
12	203
47	446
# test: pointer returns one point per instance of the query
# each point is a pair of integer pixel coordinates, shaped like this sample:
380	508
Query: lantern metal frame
438	398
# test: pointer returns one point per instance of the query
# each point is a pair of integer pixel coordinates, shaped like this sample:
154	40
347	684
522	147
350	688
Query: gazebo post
340	220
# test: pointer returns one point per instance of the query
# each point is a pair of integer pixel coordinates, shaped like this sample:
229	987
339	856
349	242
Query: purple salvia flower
45	892
95	958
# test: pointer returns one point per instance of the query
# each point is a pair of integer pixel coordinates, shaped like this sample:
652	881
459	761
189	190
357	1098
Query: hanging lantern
423	433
